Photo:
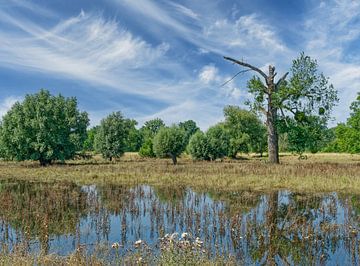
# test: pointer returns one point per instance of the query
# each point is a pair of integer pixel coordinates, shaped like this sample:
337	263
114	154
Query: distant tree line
50	128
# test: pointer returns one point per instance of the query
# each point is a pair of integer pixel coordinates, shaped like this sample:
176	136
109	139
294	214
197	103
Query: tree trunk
173	157
273	144
271	116
44	162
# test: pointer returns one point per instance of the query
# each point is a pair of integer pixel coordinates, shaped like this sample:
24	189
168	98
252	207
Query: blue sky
162	58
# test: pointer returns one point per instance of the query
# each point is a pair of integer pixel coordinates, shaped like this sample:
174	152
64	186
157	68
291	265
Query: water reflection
276	228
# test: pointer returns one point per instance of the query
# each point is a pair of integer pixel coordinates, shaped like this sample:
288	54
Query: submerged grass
319	173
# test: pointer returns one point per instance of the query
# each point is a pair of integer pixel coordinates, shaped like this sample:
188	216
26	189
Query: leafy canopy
169	141
307	92
44	128
210	146
247	132
148	132
112	135
348	134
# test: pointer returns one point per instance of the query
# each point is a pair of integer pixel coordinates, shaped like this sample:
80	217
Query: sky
164	58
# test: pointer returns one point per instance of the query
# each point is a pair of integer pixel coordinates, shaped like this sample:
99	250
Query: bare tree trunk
273	143
271	112
271	116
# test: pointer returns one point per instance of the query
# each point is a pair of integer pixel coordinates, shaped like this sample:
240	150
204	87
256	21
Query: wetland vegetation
100	224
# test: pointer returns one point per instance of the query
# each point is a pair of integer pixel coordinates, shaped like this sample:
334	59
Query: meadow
322	172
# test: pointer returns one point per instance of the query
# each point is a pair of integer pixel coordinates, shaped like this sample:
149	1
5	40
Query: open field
319	173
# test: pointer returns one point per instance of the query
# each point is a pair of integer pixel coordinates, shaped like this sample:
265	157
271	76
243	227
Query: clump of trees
241	132
43	128
247	132
212	145
170	141
148	132
347	135
308	134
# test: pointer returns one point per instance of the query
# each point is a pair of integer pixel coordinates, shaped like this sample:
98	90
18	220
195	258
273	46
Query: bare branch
240	72
248	66
282	79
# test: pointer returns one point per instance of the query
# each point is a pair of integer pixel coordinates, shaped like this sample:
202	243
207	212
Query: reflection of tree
114	197
295	231
41	209
237	202
170	193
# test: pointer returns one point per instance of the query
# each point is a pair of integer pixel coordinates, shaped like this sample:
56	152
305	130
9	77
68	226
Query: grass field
319	173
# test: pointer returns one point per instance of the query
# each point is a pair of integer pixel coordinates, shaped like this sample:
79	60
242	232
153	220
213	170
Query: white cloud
185	11
6	104
209	74
248	31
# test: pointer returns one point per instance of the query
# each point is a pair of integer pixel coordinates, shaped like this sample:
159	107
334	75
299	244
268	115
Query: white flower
184	235
115	245
138	243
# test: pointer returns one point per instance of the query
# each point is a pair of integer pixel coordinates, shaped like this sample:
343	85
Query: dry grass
320	173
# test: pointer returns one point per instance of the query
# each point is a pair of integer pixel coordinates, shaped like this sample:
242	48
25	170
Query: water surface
256	228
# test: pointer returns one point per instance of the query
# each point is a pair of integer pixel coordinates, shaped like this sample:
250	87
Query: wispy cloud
173	54
86	47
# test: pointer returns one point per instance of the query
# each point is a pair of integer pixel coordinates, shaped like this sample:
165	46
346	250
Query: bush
210	146
146	150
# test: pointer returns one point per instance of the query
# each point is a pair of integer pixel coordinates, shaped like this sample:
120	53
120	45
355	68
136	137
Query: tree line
296	109
50	128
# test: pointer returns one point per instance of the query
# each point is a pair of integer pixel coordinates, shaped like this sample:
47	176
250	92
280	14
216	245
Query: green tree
135	138
309	134
247	132
111	137
169	141
348	134
306	92
210	146
43	128
148	132
190	129
199	146
219	141
89	143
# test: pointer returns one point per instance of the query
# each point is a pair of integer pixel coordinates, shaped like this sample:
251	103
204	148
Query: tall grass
320	173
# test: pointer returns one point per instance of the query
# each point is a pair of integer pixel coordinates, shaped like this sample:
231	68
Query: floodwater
256	228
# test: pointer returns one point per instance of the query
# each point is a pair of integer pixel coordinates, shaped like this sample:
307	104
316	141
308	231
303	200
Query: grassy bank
319	173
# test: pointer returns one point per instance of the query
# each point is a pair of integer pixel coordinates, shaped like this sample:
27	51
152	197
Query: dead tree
271	111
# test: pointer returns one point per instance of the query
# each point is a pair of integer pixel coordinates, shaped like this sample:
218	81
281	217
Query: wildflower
115	245
138	243
198	242
184	235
